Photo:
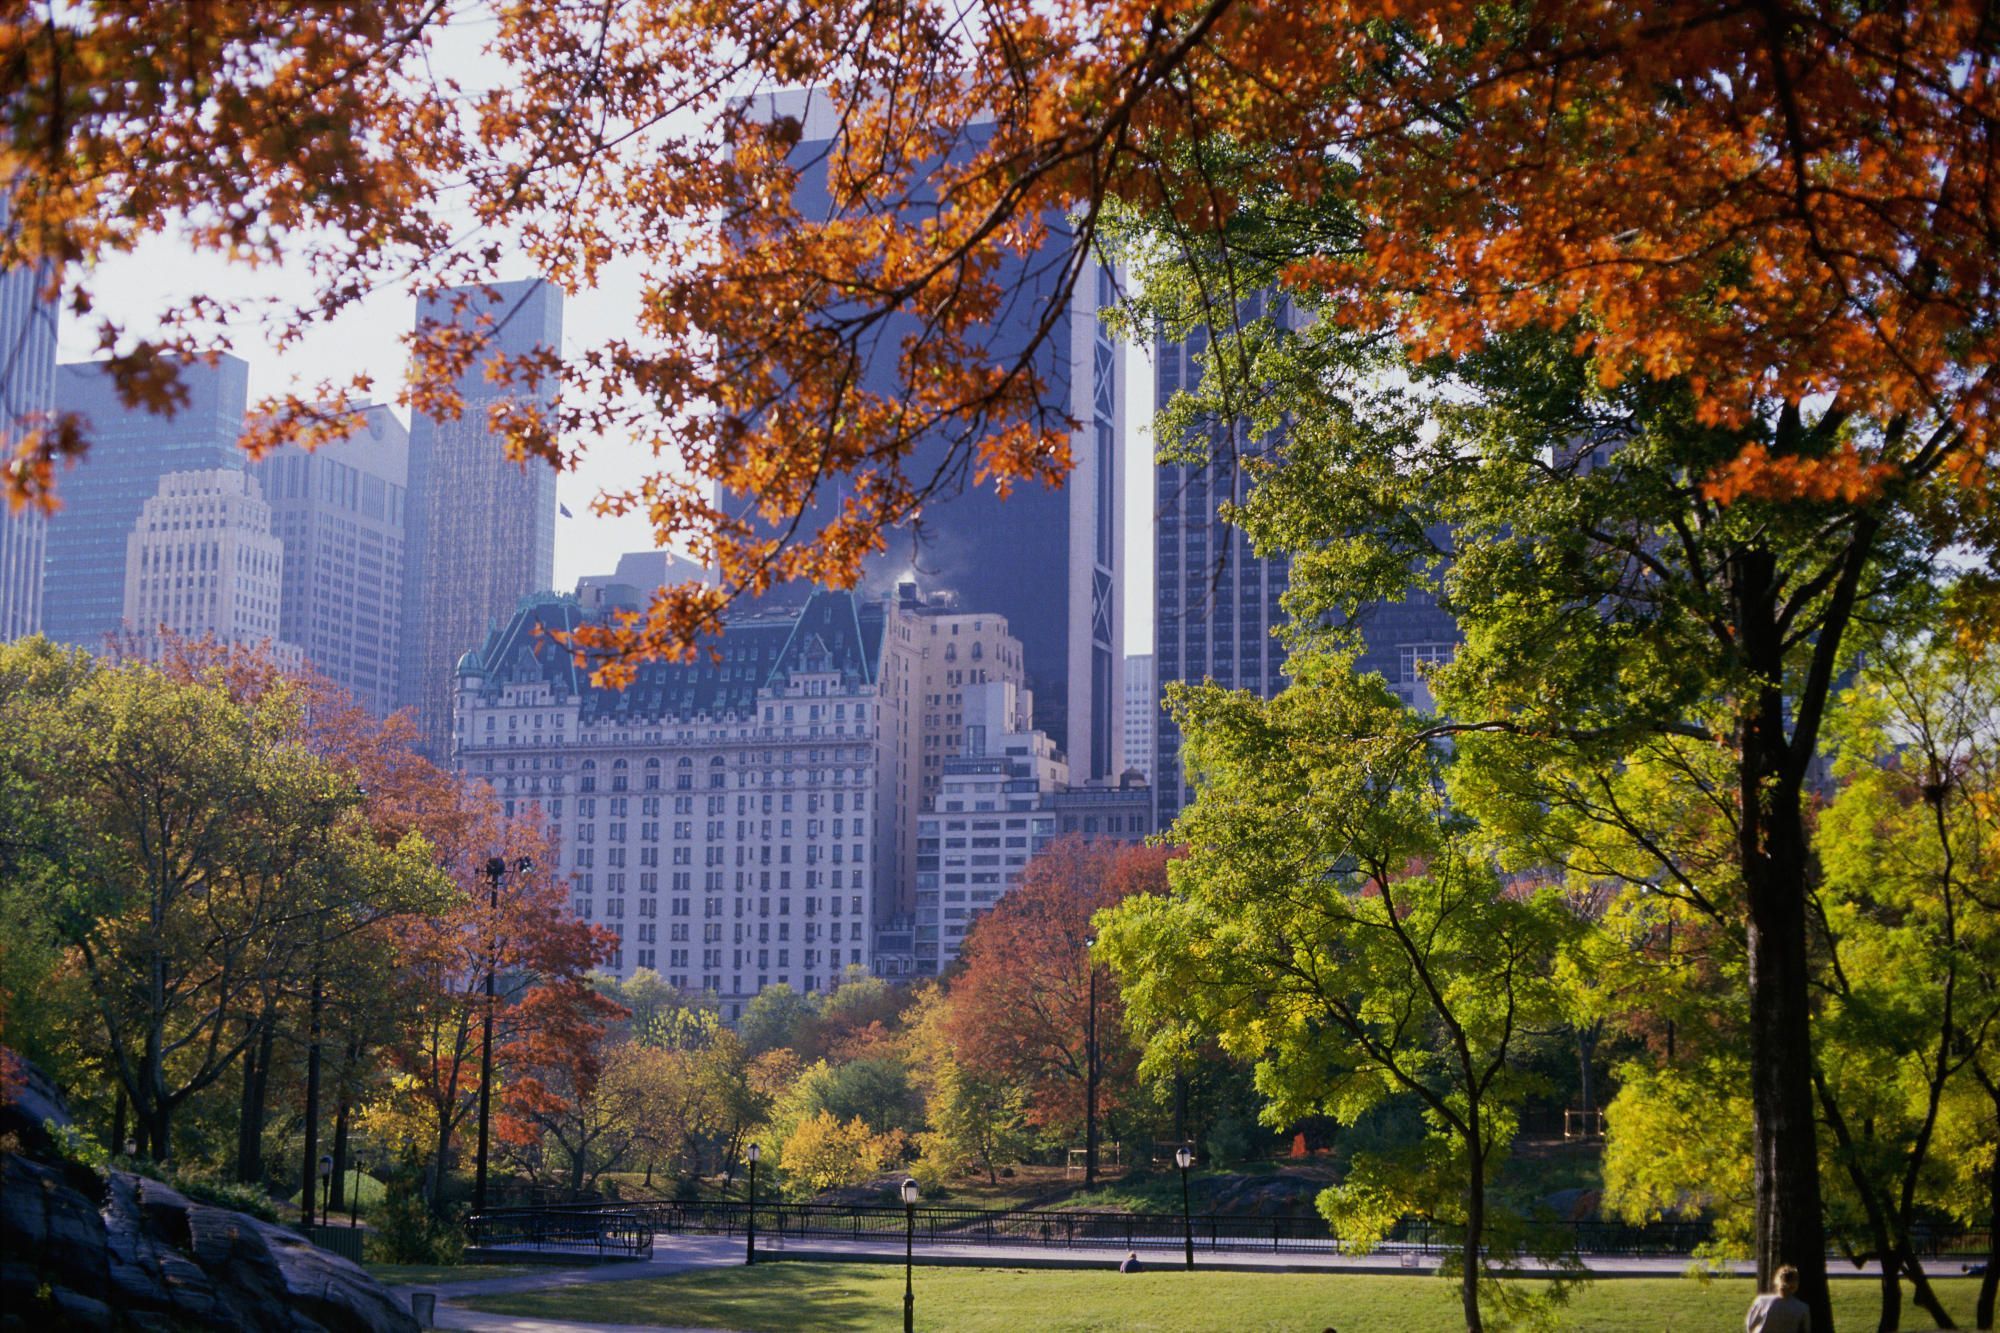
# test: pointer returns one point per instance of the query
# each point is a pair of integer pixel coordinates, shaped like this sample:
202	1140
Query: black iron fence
629	1228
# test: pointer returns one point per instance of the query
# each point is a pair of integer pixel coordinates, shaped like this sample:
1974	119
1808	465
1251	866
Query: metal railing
629	1228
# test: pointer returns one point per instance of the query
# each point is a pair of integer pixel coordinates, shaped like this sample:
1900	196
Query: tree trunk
1773	849
340	1152
310	1167
1475	1230
118	1123
1989	1285
256	1094
1925	1294
1586	1052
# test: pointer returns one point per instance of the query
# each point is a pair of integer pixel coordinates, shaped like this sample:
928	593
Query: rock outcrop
122	1252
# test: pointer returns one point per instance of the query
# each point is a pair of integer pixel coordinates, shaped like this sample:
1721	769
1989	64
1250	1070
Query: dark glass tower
130	450
1216	603
27	391
479	529
1046	560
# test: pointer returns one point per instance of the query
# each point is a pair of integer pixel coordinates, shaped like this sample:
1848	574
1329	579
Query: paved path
679	1254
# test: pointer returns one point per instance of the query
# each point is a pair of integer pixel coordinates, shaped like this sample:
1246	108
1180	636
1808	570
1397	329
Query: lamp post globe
909	1193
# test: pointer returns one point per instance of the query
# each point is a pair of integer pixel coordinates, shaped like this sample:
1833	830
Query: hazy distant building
723	817
1142	711
1047	561
202	562
130	451
339	512
638	575
479	528
990	816
27	392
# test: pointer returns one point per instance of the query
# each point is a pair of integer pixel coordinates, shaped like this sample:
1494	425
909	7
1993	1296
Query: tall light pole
496	870
1185	1159
1090	1070
750	1251
325	1189
909	1253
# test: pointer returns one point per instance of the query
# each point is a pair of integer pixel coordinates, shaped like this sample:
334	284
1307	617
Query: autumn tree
1022	1011
540	958
1781	212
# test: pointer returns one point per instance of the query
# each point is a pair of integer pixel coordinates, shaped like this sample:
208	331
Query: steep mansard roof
833	631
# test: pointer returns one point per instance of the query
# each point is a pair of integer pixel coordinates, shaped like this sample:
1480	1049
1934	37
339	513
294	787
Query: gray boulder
127	1253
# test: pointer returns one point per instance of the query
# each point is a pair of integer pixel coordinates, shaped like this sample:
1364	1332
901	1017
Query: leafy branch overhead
1773	205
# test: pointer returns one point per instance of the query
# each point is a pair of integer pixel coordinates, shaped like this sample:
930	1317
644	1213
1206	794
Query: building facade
479	527
724	817
131	449
1142	711
27	394
1047	561
338	510
202	562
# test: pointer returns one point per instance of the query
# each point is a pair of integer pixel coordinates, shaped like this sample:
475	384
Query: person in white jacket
1780	1310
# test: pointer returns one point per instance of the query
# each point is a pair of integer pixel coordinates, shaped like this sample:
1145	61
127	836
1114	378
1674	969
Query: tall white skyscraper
1142	713
202	562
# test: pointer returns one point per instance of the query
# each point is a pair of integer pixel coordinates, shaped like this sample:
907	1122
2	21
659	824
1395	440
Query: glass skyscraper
130	450
1046	560
27	391
339	512
479	528
1216	603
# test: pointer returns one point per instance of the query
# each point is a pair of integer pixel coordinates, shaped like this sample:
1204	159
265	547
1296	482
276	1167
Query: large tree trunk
256	1093
1773	849
1475	1230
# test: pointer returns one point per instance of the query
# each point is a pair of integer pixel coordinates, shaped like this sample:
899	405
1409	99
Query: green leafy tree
1908	920
1337	923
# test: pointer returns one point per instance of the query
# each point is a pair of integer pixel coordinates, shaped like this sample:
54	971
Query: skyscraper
27	390
480	529
1046	560
1216	602
201	562
339	512
1142	711
130	451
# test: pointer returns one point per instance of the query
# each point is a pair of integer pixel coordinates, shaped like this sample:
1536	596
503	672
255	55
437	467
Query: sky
365	339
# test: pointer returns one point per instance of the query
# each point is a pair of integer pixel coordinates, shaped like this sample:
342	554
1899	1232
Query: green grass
410	1275
835	1298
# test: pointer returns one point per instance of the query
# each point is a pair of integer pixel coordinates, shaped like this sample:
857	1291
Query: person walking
1780	1310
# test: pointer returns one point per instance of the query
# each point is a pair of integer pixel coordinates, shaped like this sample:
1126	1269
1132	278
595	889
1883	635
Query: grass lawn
400	1275
838	1298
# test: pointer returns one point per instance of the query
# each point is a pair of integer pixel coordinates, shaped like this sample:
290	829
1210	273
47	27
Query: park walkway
678	1254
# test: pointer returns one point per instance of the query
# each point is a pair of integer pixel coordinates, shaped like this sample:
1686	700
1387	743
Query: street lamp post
354	1197
750	1250
1185	1159
496	870
325	1189
909	1253
1090	1071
